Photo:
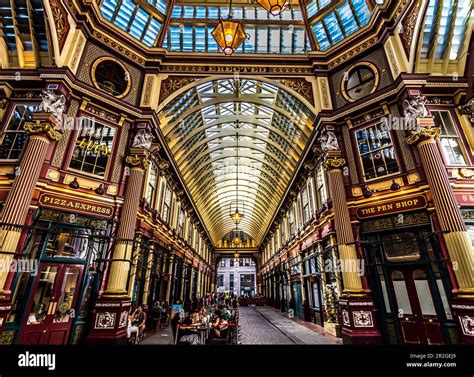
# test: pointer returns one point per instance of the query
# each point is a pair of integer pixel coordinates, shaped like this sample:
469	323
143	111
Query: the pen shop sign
392	207
84	207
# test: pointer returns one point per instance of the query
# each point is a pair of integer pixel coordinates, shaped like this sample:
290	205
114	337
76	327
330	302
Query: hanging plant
64	308
330	299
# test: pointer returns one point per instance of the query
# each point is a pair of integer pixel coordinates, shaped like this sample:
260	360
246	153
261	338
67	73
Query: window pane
14	137
401	293
93	148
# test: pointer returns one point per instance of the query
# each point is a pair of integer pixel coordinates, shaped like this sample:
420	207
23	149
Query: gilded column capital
43	128
137	161
423	134
331	163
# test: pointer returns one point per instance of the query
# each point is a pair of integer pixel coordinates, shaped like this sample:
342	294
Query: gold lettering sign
392	207
77	206
89	145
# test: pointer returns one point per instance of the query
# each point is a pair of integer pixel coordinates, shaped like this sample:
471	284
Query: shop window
69	244
376	151
181	222
151	185
450	141
291	221
14	137
305	203
401	247
470	231
321	187
93	148
190	234
166	204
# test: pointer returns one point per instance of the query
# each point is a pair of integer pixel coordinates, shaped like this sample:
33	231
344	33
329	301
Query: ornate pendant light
236	215
274	7
237	239
229	34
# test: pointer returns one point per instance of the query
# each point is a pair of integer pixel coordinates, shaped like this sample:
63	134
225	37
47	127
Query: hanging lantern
274	7
236	255
229	35
237	240
237	216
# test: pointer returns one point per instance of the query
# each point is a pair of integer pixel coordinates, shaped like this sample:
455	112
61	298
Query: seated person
139	319
219	325
131	329
187	335
226	313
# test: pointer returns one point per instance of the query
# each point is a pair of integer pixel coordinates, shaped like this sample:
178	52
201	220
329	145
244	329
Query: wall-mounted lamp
99	190
74	184
395	186
366	192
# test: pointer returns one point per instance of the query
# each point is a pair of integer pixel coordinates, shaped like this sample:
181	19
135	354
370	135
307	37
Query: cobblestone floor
263	325
255	329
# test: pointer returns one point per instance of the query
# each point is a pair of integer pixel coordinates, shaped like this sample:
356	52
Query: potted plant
331	326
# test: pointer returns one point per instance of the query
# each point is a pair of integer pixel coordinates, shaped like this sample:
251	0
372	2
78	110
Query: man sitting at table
188	336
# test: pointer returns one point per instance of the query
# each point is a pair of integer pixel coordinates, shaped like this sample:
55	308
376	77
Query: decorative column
170	272
458	244
357	309
44	130
110	315
149	265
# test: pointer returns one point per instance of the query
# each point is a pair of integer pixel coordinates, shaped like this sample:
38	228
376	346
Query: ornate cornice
137	161
333	163
45	128
423	133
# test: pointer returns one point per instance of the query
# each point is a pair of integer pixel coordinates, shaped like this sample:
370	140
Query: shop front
407	272
65	252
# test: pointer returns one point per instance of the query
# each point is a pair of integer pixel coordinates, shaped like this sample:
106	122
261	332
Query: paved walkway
265	325
162	337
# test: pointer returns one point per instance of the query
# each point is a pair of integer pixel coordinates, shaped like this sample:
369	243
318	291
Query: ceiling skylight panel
138	24
463	15
124	14
362	11
151	33
108	9
160	5
321	36
333	28
347	19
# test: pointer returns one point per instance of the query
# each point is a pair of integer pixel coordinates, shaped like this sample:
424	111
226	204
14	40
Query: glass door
416	310
51	305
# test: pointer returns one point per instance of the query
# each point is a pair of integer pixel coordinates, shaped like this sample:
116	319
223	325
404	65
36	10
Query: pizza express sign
392	207
77	206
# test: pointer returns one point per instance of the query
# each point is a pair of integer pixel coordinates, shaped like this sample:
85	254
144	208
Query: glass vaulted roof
190	24
446	23
203	127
